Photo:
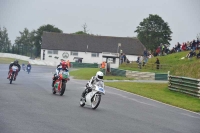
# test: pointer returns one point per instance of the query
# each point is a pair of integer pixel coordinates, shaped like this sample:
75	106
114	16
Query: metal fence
185	85
118	72
84	65
150	66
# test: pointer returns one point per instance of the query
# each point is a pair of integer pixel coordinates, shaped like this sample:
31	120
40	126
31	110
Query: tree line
152	31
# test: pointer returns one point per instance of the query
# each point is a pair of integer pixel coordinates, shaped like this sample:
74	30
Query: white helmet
99	75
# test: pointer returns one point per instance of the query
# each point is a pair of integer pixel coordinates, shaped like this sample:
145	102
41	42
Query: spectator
158	63
194	45
198	44
178	47
198	55
188	45
149	54
183	46
103	64
140	62
167	49
191	54
121	58
163	49
138	59
158	51
173	50
145	54
124	58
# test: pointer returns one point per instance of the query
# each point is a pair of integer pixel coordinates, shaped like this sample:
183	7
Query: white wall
87	58
15	56
132	57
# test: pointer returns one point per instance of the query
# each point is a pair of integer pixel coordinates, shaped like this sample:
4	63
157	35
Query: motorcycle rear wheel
11	79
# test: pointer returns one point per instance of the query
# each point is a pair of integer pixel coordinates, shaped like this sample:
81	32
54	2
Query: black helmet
16	62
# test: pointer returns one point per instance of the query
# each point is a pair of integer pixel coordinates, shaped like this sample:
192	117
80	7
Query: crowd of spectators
163	50
191	46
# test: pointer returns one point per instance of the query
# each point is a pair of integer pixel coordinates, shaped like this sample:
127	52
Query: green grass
180	67
87	73
4	60
159	92
133	67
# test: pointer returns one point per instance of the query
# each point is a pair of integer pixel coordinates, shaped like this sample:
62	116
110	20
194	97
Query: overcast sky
104	17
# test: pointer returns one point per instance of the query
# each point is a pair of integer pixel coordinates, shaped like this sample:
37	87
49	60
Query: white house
91	49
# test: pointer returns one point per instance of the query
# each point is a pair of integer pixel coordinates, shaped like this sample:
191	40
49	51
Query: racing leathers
89	85
10	70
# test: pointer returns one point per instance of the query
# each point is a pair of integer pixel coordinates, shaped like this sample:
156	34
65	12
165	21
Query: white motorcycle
93	98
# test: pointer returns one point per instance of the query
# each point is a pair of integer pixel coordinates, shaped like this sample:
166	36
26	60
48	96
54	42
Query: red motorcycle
60	83
12	73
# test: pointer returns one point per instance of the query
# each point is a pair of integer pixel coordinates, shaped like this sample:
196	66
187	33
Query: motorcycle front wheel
53	90
96	101
82	103
63	89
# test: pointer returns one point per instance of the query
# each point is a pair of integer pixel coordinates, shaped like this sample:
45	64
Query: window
55	51
95	54
112	60
52	51
74	53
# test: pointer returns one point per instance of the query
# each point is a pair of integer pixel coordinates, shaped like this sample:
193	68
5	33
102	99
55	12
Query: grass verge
156	91
159	92
87	73
4	60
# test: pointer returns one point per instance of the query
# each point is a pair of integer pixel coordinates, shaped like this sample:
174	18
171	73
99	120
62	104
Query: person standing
158	63
193	45
140	62
121	58
145	54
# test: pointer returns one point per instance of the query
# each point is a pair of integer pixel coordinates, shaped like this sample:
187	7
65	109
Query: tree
80	32
153	31
84	32
24	42
5	43
85	28
38	35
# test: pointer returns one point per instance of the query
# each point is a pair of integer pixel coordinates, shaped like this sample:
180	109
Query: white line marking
154	100
145	98
190	116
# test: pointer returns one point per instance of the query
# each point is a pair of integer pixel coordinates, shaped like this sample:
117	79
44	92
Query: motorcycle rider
28	67
23	67
62	66
91	82
15	63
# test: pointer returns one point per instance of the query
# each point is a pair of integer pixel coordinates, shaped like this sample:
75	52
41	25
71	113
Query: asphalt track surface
28	106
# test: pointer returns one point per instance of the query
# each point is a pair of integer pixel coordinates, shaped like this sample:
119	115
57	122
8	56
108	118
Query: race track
28	106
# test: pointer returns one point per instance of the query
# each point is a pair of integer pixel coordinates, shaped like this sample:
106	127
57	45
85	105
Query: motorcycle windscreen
65	75
100	87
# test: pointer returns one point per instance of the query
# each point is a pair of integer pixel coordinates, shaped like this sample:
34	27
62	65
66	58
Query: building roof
89	43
